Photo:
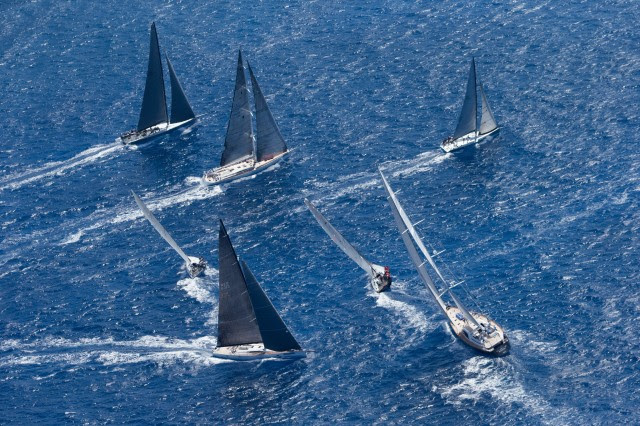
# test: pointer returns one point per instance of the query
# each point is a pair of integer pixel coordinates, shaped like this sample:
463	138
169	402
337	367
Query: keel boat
468	132
154	120
379	276
194	265
473	328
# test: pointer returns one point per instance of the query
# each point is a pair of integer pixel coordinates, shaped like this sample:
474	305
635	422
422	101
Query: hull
238	170
381	281
466	140
494	343
196	266
135	137
254	351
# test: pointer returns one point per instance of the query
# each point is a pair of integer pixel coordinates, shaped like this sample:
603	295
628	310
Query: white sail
337	238
487	121
163	232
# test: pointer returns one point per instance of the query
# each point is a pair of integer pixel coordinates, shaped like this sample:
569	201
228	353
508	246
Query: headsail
180	108
238	143
337	238
237	323
468	121
269	139
275	334
163	232
154	102
487	121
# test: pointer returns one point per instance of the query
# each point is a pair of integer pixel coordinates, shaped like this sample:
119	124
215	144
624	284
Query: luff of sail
269	139
275	334
337	238
238	143
237	323
154	102
468	115
487	121
180	108
158	227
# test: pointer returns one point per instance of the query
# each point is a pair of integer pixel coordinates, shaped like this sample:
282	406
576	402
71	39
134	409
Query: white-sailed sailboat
154	120
245	153
379	276
468	132
194	265
475	329
249	327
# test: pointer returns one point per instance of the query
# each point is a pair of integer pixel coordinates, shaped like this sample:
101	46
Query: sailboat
468	132
245	154
249	327
379	276
475	329
154	120
194	265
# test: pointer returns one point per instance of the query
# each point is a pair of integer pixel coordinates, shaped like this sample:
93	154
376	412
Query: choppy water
98	323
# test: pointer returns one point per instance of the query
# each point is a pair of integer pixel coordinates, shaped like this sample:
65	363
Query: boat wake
200	289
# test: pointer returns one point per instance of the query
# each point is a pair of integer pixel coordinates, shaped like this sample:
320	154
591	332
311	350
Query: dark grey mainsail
468	121
487	121
238	143
154	103
237	323
269	139
180	108
275	334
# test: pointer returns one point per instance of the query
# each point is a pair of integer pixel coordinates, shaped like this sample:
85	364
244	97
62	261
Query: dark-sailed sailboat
249	327
475	329
154	120
379	276
245	153
468	132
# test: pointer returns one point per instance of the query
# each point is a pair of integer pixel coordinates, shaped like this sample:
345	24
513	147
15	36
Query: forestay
154	103
180	108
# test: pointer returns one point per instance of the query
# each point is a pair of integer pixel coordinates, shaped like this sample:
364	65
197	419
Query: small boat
244	154
468	132
379	276
154	120
475	329
249	327
194	265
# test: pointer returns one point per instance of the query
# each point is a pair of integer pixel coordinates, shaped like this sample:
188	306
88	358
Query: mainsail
154	103
163	232
275	334
337	238
180	108
269	140
468	119
238	143
487	121
237	323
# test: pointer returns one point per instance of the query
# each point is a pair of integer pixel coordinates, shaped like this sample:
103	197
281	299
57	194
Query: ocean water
99	322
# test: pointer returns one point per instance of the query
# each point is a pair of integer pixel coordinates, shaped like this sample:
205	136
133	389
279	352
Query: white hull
237	170
468	139
495	342
136	137
379	282
195	266
254	351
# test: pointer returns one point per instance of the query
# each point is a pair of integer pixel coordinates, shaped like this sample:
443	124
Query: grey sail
468	121
237	323
154	102
163	232
180	108
238	144
337	238
269	139
487	121
275	334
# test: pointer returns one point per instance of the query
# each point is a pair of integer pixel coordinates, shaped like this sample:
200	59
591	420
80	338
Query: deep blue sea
99	322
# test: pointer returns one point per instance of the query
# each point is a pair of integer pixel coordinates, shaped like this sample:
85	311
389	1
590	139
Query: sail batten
269	139
239	141
180	108
154	102
467	122
487	120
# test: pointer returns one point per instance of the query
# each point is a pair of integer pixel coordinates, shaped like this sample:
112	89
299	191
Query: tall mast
468	115
154	102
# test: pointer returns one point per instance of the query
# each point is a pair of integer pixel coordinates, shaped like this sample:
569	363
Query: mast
238	144
468	121
275	334
269	141
337	238
163	232
180	108
487	121
154	102
237	323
